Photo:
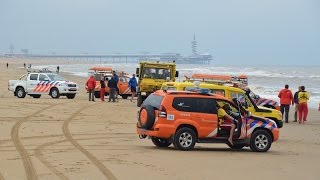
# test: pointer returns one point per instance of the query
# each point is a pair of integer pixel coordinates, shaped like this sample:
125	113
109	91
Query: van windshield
153	100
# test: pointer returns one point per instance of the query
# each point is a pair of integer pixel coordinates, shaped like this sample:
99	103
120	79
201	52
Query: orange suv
185	118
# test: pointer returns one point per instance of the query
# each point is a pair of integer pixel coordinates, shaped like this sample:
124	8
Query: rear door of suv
201	112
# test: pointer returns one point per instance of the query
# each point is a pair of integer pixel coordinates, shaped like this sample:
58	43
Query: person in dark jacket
102	88
90	85
296	102
116	79
112	84
133	86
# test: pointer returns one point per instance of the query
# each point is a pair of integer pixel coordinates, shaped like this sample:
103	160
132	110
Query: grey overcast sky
233	31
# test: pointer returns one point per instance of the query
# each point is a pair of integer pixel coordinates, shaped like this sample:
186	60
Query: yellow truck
230	93
151	77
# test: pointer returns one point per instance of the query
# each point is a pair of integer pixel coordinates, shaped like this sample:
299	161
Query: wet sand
76	139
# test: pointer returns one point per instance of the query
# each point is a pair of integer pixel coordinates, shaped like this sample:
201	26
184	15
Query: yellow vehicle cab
230	93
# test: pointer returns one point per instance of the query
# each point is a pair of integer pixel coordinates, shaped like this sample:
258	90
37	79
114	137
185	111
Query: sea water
265	81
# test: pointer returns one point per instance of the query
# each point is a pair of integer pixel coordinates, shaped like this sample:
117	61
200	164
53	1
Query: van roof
205	85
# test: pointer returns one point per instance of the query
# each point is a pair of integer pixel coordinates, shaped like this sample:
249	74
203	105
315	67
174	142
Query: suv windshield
156	73
55	77
153	100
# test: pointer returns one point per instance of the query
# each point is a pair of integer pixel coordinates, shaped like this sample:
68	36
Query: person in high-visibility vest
303	98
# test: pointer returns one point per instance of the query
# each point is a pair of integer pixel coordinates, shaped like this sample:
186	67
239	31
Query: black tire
148	121
36	96
236	146
139	100
71	96
124	96
161	142
184	139
260	141
97	94
20	92
54	92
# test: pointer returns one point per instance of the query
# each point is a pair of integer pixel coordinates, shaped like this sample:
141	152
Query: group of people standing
112	83
299	100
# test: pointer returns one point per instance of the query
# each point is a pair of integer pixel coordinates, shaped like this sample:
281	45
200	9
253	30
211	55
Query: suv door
201	111
32	83
45	83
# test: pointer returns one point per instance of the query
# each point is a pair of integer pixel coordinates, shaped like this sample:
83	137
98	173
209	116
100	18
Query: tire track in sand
1	177
103	169
40	156
27	163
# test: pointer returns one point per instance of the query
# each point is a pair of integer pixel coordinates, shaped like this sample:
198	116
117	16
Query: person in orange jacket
286	98
90	85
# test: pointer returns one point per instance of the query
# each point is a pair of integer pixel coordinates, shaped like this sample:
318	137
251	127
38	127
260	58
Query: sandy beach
76	139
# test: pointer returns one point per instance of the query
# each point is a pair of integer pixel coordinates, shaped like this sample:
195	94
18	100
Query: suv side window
241	98
199	105
42	77
33	77
153	100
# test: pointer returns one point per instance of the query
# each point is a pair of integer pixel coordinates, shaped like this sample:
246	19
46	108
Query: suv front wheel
260	141
161	142
55	93
184	139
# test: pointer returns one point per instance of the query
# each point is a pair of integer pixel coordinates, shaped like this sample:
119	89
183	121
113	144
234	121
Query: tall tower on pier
11	48
194	45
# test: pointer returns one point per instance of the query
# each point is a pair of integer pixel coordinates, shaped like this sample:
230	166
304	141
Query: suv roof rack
43	70
198	90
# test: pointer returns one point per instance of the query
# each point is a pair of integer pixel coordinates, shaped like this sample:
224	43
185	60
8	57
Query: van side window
33	77
218	91
241	98
200	105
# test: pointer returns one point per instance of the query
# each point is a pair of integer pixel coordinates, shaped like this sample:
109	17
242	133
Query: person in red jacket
286	98
90	85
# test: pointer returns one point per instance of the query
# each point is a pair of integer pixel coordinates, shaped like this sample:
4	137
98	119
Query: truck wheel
260	141
55	93
36	96
20	92
139	100
97	94
71	96
124	96
184	139
161	142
